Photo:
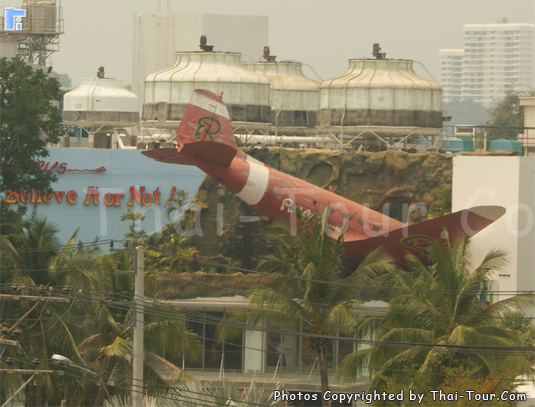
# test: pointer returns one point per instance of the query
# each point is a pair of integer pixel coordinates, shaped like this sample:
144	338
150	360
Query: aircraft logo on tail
419	243
207	126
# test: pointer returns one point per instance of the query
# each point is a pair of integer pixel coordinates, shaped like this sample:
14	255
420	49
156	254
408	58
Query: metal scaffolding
39	35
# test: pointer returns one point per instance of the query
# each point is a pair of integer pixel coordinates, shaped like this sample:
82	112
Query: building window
205	324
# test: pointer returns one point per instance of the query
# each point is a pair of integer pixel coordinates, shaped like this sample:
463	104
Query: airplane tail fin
206	119
204	132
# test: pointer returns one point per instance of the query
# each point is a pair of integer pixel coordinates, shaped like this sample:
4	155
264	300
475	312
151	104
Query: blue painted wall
93	180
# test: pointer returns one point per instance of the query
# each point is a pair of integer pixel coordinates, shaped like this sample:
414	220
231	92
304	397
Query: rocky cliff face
368	178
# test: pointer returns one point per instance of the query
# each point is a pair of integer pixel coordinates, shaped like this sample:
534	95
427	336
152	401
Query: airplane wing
168	155
419	237
211	151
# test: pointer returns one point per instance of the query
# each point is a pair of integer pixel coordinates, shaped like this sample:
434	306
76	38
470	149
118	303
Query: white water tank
384	95
100	102
293	96
167	92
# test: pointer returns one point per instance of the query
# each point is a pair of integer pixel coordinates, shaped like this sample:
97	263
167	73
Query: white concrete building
158	36
528	137
507	182
495	57
450	75
9	47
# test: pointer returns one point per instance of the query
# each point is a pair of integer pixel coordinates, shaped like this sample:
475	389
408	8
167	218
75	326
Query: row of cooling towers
383	96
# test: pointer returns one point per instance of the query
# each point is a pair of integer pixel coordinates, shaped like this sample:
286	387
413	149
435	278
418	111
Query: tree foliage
507	115
28	120
85	328
314	289
457	381
440	308
135	233
465	112
225	393
441	205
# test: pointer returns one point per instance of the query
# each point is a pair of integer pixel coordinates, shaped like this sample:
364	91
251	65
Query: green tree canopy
465	112
437	321
28	120
507	115
314	289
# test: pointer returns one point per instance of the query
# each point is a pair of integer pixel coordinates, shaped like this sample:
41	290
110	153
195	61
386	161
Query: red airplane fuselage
277	195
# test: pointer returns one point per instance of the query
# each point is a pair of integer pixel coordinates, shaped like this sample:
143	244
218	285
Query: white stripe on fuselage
211	105
257	182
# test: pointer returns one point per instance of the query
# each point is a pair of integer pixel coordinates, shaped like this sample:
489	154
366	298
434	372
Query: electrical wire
241	269
67	246
169	387
240	325
77	267
134	387
510	350
291	332
377	310
356	307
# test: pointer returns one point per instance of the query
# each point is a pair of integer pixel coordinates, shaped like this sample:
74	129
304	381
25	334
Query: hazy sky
324	34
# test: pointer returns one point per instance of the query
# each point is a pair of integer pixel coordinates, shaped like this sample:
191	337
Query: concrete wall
508	182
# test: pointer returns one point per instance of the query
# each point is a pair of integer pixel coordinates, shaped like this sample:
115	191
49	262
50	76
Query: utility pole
138	352
139	320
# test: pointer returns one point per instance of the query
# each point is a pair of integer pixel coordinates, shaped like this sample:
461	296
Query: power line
228	323
378	310
245	293
73	246
137	389
241	269
394	344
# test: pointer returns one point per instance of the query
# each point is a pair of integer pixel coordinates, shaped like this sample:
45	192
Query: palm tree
108	347
33	253
134	232
176	203
173	253
193	393
433	306
29	249
314	289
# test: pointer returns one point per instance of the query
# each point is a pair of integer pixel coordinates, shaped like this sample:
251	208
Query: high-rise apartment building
451	65
496	57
